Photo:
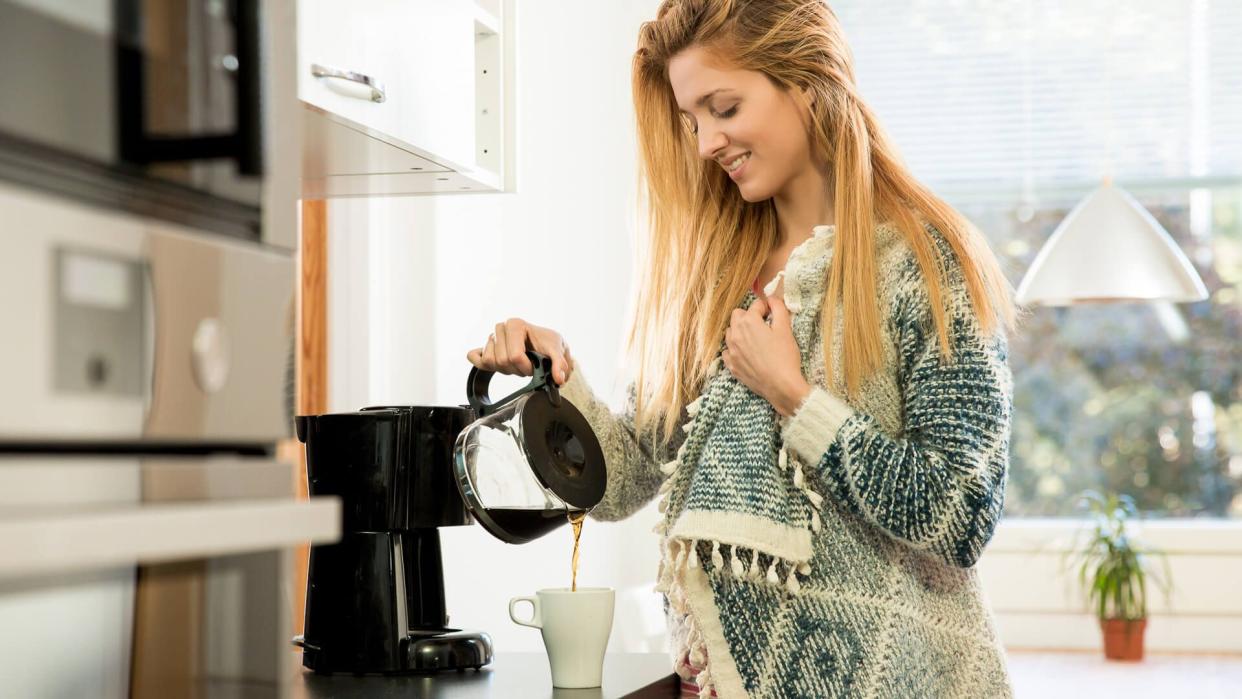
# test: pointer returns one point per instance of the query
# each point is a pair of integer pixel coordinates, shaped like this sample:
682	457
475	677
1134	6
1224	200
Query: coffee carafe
530	461
521	467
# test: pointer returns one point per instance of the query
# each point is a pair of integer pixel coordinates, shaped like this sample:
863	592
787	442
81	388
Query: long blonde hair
706	243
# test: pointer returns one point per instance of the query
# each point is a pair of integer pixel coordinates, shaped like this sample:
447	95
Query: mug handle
536	619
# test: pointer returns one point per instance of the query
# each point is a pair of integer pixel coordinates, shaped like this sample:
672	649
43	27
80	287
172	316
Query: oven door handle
149	332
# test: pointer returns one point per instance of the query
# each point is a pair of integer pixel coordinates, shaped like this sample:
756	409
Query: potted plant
1113	570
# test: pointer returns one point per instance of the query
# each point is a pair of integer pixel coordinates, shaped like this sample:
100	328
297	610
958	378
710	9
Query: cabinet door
341	47
439	117
415	55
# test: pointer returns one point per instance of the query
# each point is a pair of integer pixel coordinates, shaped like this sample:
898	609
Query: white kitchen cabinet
403	96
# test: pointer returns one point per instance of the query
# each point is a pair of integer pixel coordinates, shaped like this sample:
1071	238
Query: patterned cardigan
831	553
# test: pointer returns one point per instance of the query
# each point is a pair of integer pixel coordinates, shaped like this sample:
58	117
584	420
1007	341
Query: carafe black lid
563	451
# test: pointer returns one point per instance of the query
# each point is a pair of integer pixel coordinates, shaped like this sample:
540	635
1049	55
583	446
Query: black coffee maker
520	467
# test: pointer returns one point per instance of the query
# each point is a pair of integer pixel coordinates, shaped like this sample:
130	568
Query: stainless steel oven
143	366
146	354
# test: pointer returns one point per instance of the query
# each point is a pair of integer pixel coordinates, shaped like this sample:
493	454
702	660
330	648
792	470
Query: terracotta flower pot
1123	638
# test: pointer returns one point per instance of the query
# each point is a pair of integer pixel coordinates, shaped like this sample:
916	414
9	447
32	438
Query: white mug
575	627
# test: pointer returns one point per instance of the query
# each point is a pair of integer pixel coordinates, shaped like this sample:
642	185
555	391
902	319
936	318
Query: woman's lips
737	174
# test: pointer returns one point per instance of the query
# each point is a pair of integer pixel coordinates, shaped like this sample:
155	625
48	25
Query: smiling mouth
733	165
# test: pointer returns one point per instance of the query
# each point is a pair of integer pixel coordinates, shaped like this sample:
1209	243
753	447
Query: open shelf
112	536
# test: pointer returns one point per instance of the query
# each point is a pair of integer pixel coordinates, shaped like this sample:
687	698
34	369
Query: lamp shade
1109	249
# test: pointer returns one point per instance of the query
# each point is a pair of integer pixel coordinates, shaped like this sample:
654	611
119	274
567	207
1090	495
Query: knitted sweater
830	553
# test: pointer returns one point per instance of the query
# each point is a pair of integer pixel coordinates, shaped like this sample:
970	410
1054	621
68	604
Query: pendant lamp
1109	249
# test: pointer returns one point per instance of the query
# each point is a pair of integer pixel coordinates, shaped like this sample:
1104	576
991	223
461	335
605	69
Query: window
1013	110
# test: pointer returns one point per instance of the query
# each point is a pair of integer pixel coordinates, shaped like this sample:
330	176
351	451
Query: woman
822	397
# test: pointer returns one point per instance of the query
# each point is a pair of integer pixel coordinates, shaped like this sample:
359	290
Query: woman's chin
753	194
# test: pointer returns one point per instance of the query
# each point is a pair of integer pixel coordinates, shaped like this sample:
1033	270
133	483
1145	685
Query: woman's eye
694	129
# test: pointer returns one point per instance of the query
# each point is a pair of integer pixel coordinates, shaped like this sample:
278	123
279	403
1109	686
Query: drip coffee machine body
375	600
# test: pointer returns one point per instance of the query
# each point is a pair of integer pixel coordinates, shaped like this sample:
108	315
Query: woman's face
741	114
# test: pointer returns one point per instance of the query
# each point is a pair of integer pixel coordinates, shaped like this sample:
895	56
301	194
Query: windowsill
1173	536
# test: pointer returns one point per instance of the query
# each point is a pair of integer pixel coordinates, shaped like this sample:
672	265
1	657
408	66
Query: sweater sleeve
940	485
633	461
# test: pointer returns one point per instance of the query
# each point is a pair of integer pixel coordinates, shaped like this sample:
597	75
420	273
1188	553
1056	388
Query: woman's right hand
505	351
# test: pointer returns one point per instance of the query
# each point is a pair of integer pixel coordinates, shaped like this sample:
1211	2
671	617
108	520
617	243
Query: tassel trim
800	482
730	559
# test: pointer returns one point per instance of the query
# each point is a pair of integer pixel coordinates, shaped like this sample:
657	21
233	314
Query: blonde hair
706	243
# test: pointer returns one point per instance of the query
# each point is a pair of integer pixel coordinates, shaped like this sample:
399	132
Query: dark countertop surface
509	675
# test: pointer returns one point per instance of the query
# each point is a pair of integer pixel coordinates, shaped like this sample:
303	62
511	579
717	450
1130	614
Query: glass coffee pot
530	462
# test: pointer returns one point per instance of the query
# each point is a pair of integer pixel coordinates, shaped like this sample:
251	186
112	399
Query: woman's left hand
766	357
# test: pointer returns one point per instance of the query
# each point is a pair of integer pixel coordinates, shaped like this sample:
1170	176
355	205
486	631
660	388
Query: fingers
758	309
502	349
511	347
780	313
505	350
489	354
517	334
562	366
487	357
755	315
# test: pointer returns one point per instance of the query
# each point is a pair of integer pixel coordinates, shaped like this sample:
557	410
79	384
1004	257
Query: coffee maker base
423	651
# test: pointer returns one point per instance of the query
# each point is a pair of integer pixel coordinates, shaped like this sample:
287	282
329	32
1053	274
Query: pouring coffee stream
577	524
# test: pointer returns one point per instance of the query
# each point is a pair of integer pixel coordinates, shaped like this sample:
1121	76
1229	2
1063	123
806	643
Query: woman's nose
712	142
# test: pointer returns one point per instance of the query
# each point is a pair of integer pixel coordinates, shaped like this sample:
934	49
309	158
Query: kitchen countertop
509	675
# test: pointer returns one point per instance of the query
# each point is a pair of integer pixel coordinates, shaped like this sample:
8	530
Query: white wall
415	282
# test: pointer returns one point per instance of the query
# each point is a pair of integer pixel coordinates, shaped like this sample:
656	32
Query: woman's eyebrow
704	98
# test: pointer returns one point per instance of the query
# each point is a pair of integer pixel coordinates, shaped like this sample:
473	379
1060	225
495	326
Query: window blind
1005	98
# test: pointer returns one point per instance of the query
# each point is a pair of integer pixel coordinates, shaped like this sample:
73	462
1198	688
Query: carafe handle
478	380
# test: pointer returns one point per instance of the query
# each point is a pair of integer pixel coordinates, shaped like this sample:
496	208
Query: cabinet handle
377	87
